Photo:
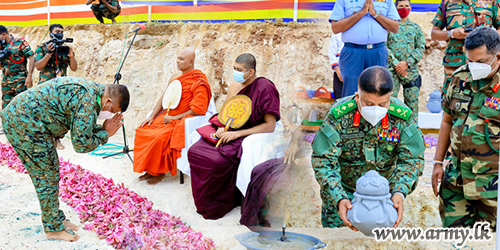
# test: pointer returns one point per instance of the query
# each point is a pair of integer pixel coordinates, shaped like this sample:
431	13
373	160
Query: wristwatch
376	15
449	34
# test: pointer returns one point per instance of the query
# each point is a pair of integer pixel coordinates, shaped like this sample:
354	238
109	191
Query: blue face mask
238	76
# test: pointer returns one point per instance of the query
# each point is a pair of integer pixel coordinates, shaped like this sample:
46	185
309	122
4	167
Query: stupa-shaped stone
372	206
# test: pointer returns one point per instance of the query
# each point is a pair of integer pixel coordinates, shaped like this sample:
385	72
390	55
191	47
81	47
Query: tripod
118	77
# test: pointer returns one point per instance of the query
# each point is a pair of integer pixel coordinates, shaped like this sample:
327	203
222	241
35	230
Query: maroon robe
255	206
213	170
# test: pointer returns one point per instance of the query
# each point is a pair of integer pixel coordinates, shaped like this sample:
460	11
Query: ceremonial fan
172	96
235	112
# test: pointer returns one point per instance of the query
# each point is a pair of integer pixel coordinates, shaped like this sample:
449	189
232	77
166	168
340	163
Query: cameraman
14	54
105	8
50	65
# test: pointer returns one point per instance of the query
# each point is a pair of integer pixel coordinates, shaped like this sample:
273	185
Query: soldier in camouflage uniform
35	116
348	145
105	8
52	65
17	75
456	16
406	48
471	125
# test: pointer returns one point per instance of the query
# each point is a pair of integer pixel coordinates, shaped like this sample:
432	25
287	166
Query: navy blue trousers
353	60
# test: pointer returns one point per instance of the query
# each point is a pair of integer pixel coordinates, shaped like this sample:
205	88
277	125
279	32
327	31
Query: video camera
59	48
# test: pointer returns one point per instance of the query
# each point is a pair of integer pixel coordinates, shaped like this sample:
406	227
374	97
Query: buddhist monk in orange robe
160	138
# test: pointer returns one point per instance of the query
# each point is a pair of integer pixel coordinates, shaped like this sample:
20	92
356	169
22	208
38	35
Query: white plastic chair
190	126
257	148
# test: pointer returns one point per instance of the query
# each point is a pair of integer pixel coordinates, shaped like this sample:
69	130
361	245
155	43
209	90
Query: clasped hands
401	68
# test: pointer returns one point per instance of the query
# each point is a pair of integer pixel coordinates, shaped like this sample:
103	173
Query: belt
365	46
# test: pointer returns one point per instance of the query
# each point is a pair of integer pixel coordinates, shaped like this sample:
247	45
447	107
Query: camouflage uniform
469	187
100	10
55	65
347	146
406	45
463	13
14	69
36	116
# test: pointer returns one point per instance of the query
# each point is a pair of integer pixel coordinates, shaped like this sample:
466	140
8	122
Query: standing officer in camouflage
17	74
406	48
459	17
369	130
471	125
35	116
105	8
52	65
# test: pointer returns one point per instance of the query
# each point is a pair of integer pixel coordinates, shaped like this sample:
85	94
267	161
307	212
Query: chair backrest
211	108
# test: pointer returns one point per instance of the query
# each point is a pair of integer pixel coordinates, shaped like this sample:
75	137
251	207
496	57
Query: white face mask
480	70
372	114
105	115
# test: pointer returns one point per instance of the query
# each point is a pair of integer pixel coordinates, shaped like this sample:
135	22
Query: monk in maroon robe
213	170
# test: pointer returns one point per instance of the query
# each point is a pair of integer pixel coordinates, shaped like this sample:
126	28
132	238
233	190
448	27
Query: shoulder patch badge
400	111
344	108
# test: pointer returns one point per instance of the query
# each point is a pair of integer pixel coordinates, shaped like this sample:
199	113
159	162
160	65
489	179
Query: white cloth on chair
190	126
258	148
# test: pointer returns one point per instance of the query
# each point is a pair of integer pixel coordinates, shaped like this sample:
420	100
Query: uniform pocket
381	7
454	16
353	8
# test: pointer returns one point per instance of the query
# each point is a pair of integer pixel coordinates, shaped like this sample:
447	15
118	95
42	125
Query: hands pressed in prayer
112	125
148	120
345	205
371	7
229	136
367	7
401	68
398	205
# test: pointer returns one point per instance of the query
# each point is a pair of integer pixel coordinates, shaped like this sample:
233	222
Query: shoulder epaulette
344	108
460	69
400	111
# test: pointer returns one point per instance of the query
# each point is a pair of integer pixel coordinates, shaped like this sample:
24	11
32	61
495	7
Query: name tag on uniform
461	96
352	136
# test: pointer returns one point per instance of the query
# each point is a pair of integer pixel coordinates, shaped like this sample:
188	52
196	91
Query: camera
468	29
59	48
4	53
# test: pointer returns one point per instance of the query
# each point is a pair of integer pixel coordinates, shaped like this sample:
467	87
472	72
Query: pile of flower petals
117	214
8	157
430	141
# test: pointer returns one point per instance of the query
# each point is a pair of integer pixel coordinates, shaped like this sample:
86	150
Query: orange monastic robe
158	146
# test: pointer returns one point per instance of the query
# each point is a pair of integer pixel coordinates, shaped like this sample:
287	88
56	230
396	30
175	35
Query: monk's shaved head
248	61
188	53
185	59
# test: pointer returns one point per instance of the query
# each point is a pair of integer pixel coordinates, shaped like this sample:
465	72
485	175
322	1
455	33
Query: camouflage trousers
39	156
100	11
457	211
330	215
12	86
448	71
410	96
